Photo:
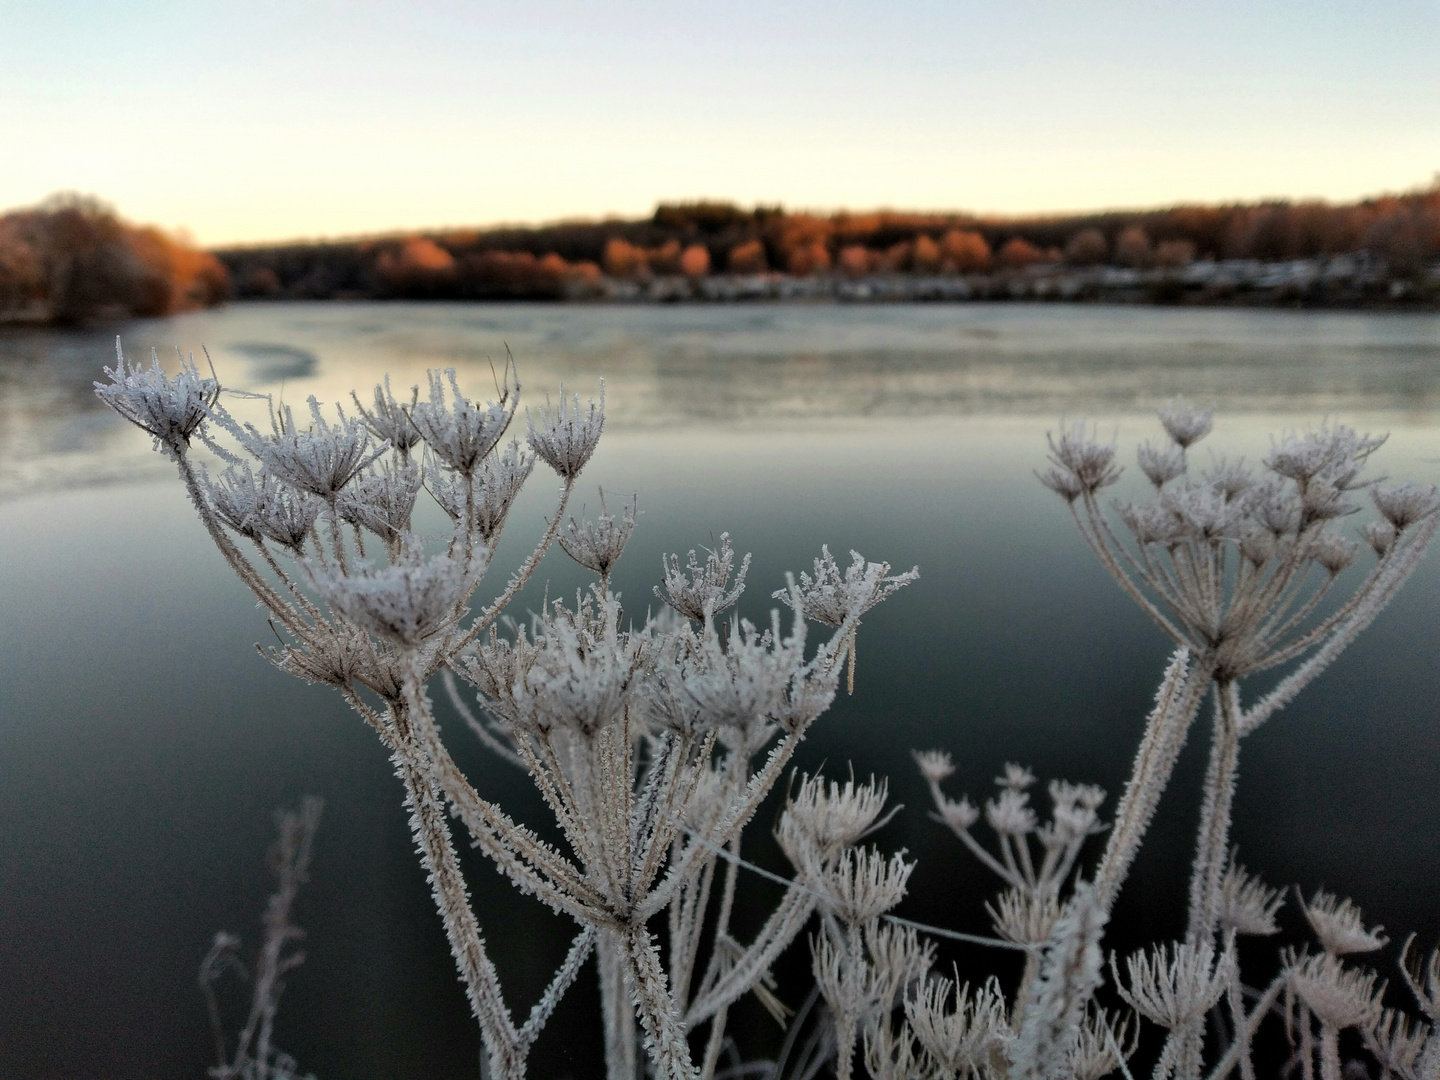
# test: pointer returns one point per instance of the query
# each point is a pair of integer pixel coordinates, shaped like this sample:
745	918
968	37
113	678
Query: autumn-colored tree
964	252
73	258
748	258
1132	248
1174	253
895	258
664	259
623	259
925	256
856	260
807	259
1018	252
695	261
1086	248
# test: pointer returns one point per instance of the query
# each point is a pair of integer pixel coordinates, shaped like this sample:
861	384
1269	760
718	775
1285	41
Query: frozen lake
143	744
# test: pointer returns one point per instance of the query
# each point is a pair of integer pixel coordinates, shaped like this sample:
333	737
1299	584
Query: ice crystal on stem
702	592
171	410
1226	565
565	437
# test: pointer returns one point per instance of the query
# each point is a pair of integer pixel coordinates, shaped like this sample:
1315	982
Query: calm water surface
143	744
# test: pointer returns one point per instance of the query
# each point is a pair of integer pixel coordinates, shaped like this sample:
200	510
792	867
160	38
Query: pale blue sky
260	120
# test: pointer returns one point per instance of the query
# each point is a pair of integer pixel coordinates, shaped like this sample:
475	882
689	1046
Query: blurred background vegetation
72	258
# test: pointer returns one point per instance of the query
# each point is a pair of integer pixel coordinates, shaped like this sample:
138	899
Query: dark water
144	744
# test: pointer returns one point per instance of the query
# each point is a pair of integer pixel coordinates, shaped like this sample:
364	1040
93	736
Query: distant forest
72	259
1401	232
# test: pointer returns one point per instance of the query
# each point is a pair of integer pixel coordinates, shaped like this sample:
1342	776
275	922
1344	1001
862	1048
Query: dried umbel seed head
321	459
381	500
1102	1044
391	421
1024	918
860	885
1340	995
583	673
1079	463
463	434
1402	505
1175	986
1258	546
1398	1043
1074	815
821	818
1016	778
1340	926
830	597
598	544
1151	524
1230	478
565	437
170	410
1247	904
1333	553
1380	535
702	592
959	1038
1009	813
1186	424
1161	464
934	765
405	602
1332	453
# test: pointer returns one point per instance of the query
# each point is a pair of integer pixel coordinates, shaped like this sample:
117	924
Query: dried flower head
934	765
1340	995
1175	985
170	410
597	545
565	437
321	459
1185	423
391	421
958	1038
860	884
381	500
1247	904
1024	917
822	817
1402	505
1079	463
463	434
831	598
405	602
1340	926
1161	464
701	592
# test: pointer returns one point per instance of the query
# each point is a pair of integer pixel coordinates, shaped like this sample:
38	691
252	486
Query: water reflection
761	366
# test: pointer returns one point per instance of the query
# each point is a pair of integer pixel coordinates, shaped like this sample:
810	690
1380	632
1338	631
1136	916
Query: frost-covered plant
654	744
255	1056
1234	563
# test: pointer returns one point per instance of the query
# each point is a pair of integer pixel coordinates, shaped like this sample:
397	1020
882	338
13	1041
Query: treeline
1401	232
72	258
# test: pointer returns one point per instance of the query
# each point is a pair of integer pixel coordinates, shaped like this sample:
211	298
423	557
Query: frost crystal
405	602
170	410
463	435
564	438
1340	926
391	421
597	545
700	592
1186	424
831	598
